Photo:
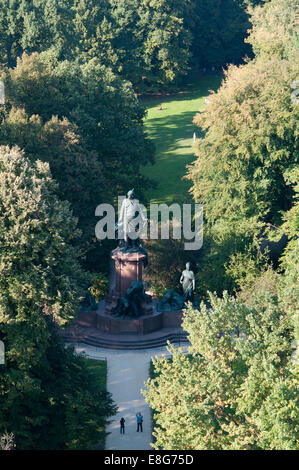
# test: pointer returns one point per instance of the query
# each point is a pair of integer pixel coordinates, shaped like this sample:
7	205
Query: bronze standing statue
128	222
188	283
131	222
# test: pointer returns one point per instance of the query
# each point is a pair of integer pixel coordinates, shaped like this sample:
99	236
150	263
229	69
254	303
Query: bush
99	287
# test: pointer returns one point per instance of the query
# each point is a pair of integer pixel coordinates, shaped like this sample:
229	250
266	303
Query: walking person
122	426
139	421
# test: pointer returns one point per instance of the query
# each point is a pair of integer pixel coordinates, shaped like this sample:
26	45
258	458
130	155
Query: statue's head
188	266
131	194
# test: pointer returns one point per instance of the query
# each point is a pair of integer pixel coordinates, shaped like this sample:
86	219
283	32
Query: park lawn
99	368
172	133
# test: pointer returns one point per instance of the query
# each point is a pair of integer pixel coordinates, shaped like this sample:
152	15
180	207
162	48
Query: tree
218	30
150	40
104	108
94	32
237	387
167	40
34	27
245	155
87	124
274	29
78	171
249	145
48	397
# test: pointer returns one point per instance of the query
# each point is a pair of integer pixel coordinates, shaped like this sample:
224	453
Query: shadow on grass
195	87
166	127
171	130
166	131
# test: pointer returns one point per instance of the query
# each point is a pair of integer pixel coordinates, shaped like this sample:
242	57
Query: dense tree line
250	146
237	388
149	42
87	123
68	68
48	397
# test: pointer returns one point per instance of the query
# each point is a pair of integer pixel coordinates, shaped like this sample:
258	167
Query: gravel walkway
127	373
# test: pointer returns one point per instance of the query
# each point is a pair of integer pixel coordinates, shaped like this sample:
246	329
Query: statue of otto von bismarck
131	222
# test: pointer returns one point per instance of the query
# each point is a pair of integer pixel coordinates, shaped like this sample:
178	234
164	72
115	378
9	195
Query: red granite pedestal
143	325
128	267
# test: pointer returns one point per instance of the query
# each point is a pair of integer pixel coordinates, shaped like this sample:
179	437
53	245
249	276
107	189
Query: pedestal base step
96	338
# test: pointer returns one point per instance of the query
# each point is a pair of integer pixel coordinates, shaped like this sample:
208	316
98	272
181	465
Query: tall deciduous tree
149	42
218	29
274	30
104	108
77	170
243	160
48	397
237	387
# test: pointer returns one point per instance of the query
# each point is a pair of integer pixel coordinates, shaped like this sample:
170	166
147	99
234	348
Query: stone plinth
143	325
128	267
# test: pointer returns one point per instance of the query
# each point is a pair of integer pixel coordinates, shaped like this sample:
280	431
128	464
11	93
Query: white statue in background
188	283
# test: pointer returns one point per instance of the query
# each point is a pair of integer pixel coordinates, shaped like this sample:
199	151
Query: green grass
172	133
99	368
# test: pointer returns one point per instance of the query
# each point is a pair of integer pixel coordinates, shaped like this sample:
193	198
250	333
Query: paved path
127	373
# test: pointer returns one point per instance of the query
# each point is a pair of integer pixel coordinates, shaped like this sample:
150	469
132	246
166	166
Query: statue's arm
143	217
182	278
122	213
141	213
193	281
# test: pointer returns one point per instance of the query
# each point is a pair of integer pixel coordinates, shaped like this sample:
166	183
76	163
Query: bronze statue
188	283
171	301
131	304
130	210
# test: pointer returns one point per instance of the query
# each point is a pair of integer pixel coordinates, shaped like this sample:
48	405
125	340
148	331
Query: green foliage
289	260
150	43
99	287
244	267
218	29
237	390
274	29
100	371
249	145
87	124
77	170
103	107
38	263
48	398
33	26
241	174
